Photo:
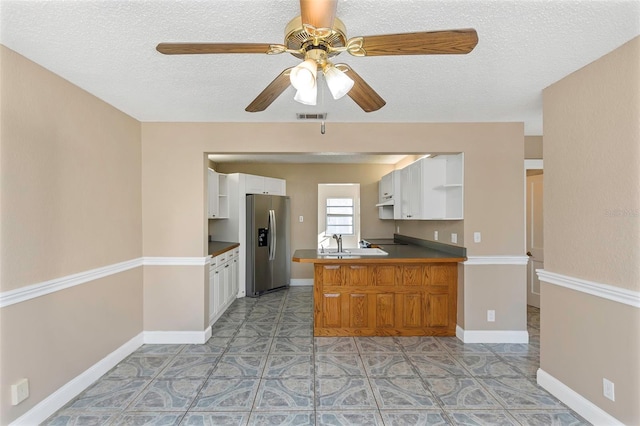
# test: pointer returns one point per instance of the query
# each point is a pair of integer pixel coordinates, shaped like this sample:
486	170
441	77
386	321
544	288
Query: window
340	216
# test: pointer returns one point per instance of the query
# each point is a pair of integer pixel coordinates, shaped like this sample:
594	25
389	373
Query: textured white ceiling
107	47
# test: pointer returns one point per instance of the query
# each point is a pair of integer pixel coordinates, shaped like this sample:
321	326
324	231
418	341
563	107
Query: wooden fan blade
271	92
199	48
361	92
318	15
424	43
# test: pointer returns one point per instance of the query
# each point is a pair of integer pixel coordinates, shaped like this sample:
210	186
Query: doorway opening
534	228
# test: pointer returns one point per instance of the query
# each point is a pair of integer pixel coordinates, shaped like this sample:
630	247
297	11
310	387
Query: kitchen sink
351	252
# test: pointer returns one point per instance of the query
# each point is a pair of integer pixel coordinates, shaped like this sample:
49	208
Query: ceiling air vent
315	116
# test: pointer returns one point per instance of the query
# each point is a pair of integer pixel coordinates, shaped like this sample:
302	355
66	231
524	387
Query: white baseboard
177	337
71	389
575	401
492	336
301	282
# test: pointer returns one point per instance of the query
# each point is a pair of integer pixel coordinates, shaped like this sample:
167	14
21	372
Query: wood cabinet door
331	306
437	310
356	275
386	275
358	316
329	275
441	296
385	315
412	275
409	307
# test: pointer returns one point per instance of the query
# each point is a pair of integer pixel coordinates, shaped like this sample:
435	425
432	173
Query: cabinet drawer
221	258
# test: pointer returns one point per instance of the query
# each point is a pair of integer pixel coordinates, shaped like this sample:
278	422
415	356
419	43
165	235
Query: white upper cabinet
430	189
411	191
218	195
389	195
386	188
264	185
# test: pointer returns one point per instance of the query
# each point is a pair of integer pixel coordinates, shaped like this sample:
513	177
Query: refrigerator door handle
272	234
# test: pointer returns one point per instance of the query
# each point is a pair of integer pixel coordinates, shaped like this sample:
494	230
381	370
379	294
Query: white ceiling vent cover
312	116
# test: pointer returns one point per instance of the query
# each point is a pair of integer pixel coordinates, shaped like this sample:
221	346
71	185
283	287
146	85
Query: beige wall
533	147
166	309
302	187
70	201
592	228
584	339
174	187
592	163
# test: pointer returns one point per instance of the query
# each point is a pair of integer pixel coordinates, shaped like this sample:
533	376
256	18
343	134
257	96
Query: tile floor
263	367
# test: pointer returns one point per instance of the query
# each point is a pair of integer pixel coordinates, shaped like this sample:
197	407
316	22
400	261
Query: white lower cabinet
223	283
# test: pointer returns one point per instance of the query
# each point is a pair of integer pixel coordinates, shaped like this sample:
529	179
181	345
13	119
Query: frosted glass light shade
339	83
307	96
303	76
317	16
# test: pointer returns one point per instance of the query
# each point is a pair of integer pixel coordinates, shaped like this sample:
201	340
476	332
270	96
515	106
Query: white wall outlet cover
477	237
301	219
19	391
608	389
435	235
491	315
454	238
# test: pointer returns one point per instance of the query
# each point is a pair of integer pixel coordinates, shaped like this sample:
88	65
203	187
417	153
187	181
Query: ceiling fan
318	35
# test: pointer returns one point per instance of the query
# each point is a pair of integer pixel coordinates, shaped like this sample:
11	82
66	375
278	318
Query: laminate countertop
400	249
218	247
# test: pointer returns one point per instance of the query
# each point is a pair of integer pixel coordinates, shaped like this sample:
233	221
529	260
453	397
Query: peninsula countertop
411	251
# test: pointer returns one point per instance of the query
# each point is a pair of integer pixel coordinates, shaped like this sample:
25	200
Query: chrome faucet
338	239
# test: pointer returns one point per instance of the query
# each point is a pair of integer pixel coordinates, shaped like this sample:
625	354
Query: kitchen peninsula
411	291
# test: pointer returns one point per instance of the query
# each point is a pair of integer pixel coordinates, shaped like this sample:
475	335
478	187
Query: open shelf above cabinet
218	191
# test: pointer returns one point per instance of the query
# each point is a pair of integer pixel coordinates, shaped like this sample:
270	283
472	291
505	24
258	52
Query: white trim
45	408
11	297
531	164
575	401
301	282
605	291
492	336
496	260
176	261
177	337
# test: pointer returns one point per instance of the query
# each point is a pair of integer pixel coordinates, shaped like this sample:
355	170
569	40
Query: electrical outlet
301	219
477	237
435	235
491	315
454	238
608	389
398	229
19	391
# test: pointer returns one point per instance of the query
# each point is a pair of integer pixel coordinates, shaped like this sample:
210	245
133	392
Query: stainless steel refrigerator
268	258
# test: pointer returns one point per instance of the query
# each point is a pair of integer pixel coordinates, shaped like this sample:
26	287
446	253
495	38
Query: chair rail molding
22	294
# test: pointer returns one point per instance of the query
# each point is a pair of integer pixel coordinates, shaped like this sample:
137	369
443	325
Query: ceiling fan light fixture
317	16
307	96
303	76
338	82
